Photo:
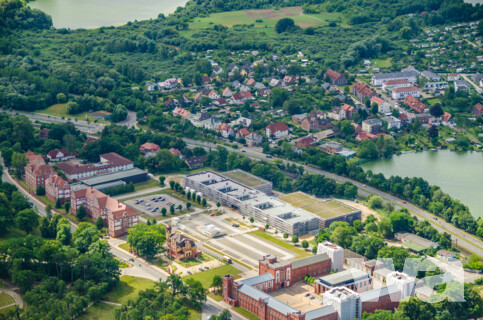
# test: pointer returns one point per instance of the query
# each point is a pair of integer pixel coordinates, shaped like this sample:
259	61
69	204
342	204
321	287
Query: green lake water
460	174
76	14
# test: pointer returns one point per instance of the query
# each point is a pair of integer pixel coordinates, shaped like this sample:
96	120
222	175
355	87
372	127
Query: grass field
124	246
5	300
206	277
99	311
381	63
265	19
300	253
247	313
244	178
298	199
59	110
151	183
128	288
328	209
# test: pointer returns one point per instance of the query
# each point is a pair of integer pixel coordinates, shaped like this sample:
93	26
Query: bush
295	239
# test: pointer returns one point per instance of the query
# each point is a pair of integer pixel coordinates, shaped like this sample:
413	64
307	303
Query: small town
207	160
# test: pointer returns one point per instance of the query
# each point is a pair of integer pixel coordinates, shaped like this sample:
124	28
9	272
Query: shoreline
167	11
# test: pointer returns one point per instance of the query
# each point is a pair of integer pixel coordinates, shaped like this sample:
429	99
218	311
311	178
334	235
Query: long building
273	211
379	78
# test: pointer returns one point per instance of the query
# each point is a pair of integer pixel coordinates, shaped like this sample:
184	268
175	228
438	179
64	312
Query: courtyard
300	296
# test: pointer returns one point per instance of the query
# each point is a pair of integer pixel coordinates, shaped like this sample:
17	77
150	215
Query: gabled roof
277	126
257	279
271	302
310	260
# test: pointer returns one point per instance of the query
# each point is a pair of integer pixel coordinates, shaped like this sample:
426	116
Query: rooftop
245	178
343	277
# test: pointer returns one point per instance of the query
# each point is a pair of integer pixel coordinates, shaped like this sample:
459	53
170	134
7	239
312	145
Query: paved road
470	81
463	239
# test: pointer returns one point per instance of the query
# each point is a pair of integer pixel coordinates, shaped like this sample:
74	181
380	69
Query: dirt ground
365	211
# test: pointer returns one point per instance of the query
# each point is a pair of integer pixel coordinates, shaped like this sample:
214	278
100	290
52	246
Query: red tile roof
149	146
363	89
415	104
277	126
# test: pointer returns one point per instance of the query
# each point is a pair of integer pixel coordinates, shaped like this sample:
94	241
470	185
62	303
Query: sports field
5	300
267	18
244	178
298	199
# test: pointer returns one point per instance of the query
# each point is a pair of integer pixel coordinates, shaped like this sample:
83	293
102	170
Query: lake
76	14
459	174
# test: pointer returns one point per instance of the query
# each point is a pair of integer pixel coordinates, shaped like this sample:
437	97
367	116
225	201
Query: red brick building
36	171
117	216
179	247
363	91
57	188
415	104
287	273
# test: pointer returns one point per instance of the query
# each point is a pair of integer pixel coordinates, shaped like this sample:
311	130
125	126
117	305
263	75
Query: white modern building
402	93
379	78
335	253
403	282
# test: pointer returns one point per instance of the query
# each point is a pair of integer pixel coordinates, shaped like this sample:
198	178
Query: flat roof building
134	175
353	279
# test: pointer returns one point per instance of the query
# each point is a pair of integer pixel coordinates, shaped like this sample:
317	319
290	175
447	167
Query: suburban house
195	162
365	136
180	247
225	130
44	133
109	163
348	109
477	110
447	119
310	123
363	91
337	114
59	155
57	188
453	77
431	76
254	139
306	142
276	130
149	149
383	106
181	112
415	104
461	85
402	93
336	79
116	215
176	152
242	133
373	126
227	93
392	122
213	95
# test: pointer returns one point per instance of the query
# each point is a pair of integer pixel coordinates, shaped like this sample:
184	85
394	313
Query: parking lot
299	296
147	204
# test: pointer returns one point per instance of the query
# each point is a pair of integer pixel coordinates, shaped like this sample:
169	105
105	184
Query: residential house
298	118
36	173
331	147
363	91
382	106
213	95
181	112
373	126
453	77
337	114
195	162
440	85
392	122
445	254
180	247
242	133
44	133
212	123
274	83
259	86
336	79
447	119
251	82
149	149
288	80
396	83
276	130
227	93
170	103
402	93
244	89
254	139
176	152
365	136
310	123
415	104
57	188
461	85
265	92
306	142
59	155
225	130
477	110
117	216
349	110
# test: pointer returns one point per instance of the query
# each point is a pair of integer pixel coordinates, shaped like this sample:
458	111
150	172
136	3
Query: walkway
18	299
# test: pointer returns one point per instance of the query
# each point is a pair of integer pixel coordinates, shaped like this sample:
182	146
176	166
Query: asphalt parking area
147	204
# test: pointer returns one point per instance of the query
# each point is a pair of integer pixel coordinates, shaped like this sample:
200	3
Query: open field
328	209
59	110
244	178
381	63
128	288
206	277
266	19
99	311
298	199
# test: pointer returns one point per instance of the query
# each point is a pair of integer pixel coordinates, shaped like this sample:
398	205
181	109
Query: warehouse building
116	179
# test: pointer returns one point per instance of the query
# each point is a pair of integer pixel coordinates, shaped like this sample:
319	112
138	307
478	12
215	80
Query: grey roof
320	312
269	300
110	177
377	293
310	260
344	277
383	271
373	122
392	75
430	75
461	83
424	290
256	280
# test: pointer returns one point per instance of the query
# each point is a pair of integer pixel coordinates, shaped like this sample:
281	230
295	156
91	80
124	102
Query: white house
276	130
402	93
392	122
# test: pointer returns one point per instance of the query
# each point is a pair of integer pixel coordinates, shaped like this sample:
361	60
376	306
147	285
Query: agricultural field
266	18
59	110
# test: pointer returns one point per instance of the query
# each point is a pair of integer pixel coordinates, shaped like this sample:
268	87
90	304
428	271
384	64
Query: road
462	238
468	79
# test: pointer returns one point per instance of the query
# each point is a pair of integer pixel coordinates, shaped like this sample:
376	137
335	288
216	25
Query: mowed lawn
128	288
206	277
265	18
328	209
60	110
301	253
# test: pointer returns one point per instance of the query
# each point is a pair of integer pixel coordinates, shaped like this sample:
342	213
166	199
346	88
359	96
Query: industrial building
295	214
120	178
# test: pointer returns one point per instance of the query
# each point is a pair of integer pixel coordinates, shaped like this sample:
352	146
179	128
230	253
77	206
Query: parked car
212	214
189	272
201	269
307	294
269	156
